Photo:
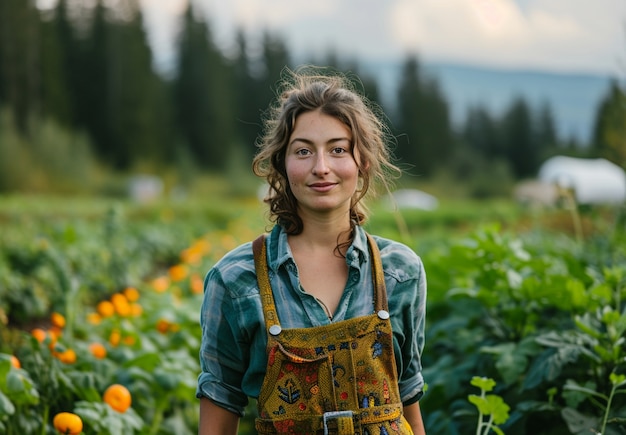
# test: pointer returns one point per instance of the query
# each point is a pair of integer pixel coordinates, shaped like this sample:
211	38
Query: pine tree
609	133
249	107
20	65
201	94
422	120
522	150
482	132
137	119
56	96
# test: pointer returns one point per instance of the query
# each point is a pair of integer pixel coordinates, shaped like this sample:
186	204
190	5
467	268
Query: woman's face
321	169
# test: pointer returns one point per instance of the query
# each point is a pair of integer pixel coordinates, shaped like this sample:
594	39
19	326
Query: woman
319	321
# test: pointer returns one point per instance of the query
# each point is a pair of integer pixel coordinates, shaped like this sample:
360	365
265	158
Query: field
525	325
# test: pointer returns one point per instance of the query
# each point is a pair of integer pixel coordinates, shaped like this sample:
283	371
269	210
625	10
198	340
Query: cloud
552	34
577	35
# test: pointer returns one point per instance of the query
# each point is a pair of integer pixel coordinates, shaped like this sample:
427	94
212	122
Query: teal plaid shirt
232	352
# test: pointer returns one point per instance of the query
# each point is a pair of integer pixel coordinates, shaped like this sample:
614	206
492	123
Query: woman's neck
324	232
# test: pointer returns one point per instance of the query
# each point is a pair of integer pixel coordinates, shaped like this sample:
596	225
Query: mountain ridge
572	97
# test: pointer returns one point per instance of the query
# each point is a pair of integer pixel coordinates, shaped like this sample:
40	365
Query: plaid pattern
233	355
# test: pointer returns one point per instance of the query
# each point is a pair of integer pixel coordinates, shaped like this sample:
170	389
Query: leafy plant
490	406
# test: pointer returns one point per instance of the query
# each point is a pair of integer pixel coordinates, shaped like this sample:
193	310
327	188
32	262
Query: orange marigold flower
39	334
115	337
68	423
161	283
190	256
55	333
117	397
178	272
94	318
67	356
129	340
120	303
163	326
131	293
136	310
98	350
15	362
105	308
197	284
58	320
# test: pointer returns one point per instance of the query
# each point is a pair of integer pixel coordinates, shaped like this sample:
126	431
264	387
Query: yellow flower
57	320
121	305
98	350
178	272
115	337
94	318
105	308
67	356
161	283
68	423
131	293
136	310
197	284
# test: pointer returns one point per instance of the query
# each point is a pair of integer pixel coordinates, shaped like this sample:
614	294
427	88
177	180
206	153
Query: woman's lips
322	187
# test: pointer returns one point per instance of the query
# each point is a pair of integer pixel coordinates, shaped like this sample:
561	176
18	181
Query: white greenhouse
592	181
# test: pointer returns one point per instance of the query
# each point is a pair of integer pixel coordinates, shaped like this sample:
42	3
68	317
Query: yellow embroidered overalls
333	379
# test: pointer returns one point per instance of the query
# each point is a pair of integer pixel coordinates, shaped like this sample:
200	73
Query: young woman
318	320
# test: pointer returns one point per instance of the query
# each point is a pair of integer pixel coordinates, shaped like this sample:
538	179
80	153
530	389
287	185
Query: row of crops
99	309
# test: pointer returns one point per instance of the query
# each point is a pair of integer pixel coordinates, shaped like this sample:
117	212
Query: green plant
490	406
578	422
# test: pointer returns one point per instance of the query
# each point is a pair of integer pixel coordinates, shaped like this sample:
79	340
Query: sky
563	36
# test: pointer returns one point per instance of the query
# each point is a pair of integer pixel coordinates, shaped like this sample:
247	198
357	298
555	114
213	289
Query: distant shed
592	181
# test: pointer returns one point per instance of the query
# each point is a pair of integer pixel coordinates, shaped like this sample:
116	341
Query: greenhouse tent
592	181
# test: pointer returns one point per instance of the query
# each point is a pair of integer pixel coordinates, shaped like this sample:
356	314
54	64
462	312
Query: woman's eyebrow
329	141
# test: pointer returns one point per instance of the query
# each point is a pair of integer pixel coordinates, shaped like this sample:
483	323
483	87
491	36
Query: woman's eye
303	152
339	150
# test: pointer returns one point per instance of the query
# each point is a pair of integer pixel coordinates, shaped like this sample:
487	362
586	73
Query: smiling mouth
322	187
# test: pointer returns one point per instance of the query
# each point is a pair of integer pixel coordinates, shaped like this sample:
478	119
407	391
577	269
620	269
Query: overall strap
267	297
380	291
263	279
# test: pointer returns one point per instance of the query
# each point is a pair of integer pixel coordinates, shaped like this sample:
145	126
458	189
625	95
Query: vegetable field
99	311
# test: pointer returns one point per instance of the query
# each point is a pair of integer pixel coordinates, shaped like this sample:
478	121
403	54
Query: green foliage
87	252
490	406
539	313
534	312
55	158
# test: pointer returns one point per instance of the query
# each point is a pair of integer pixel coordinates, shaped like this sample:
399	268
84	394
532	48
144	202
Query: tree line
89	70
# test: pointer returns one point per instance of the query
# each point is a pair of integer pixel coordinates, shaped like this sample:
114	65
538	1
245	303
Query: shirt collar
279	252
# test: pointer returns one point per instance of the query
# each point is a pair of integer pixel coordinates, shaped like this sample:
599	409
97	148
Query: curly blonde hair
309	89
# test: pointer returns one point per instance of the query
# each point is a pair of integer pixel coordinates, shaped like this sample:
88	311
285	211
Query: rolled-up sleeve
223	353
406	290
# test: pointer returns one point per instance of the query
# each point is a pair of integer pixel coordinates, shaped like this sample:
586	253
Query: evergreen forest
81	102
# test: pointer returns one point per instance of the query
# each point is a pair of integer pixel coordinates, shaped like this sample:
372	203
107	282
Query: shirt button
383	314
275	330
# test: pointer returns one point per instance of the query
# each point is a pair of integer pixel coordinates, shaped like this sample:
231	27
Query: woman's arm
413	416
215	420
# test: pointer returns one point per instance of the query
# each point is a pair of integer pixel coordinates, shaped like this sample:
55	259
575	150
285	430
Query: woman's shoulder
235	270
399	259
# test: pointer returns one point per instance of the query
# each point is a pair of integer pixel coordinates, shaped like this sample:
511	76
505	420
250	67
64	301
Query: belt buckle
341	417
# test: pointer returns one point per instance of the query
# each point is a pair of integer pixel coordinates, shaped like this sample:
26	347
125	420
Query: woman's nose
321	166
